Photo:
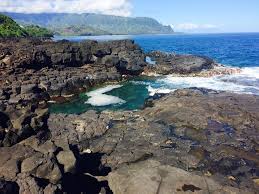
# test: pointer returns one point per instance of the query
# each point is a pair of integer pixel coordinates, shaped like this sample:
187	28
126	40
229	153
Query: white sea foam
99	98
251	72
152	91
245	82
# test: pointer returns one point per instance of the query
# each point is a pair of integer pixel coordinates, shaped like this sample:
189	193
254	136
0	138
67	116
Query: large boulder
22	122
180	64
68	160
11	158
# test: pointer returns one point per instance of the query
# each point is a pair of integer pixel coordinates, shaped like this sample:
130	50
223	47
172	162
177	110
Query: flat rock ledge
150	177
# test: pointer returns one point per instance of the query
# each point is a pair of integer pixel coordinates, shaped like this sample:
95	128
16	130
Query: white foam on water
245	82
210	83
99	98
152	91
252	72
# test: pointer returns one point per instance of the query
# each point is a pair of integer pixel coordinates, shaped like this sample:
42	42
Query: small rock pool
130	95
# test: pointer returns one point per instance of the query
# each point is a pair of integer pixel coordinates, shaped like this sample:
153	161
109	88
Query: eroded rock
68	160
182	64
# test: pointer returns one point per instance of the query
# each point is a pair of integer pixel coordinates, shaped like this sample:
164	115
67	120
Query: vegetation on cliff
9	28
37	31
93	22
74	30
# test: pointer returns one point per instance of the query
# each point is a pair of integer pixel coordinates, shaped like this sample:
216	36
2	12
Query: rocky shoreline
192	140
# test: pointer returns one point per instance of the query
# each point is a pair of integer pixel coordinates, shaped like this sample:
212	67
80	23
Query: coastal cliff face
93	24
207	138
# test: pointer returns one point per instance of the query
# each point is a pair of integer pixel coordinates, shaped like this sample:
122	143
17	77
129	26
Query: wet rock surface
168	63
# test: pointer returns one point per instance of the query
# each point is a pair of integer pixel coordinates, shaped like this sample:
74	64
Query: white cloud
191	27
113	7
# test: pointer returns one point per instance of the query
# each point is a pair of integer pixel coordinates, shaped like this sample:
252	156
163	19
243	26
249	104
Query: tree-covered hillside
9	28
37	31
77	31
98	22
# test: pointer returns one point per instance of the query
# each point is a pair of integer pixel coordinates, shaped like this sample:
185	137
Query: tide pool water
240	50
128	96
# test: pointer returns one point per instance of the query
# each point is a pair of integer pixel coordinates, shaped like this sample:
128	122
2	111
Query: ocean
238	50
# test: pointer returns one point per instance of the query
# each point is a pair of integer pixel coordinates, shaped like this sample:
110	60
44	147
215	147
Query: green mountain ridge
9	28
77	31
96	24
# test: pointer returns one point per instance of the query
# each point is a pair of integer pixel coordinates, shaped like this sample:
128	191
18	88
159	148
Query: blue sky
203	15
183	15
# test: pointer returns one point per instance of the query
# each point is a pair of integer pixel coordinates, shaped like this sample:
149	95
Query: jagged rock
10	139
28	184
101	49
179	64
50	171
9	169
52	189
68	160
35	54
77	128
30	164
110	60
29	88
39	145
25	122
40	118
150	177
11	158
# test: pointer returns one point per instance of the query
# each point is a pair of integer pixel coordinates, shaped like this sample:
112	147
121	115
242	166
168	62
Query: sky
194	16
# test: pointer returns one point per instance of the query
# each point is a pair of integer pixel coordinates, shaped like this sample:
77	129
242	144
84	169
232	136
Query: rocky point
190	141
